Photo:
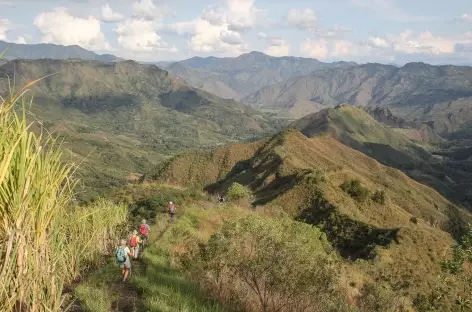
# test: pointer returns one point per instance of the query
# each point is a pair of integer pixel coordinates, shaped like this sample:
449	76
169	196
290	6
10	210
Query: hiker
123	255
144	231
134	244
172	208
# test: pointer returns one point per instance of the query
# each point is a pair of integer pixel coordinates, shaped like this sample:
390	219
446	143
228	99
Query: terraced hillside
121	119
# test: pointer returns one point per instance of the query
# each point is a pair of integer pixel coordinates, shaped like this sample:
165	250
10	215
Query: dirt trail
130	297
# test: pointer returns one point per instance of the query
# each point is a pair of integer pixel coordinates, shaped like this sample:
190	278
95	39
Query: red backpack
143	229
133	241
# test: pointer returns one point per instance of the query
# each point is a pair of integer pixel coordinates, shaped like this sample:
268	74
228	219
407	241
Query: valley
154	115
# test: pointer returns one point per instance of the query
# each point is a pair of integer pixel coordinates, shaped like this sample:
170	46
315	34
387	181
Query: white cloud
20	40
109	16
302	18
425	42
139	35
281	48
231	37
147	9
317	49
466	17
387	10
406	45
242	15
59	27
276	45
5	26
306	19
378	42
335	32
219	28
214	15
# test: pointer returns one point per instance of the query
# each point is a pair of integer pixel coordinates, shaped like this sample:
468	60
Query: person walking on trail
144	230
134	242
172	208
123	254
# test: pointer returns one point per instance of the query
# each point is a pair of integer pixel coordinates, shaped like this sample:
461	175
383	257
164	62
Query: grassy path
154	284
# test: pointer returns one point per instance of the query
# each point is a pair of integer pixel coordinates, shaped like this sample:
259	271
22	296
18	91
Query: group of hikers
129	249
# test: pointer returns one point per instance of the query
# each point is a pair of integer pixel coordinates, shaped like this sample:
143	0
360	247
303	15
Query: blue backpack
121	254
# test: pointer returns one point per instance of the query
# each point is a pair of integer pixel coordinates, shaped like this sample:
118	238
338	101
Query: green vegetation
45	242
355	190
379	197
156	282
268	265
136	116
355	128
461	253
237	191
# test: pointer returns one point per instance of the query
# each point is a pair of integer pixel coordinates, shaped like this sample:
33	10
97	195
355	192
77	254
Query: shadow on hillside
100	102
353	239
445	176
183	101
261	174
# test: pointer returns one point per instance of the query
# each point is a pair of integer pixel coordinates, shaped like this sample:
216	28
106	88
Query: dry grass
277	170
44	242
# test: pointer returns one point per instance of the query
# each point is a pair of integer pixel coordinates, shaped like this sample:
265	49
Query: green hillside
121	119
357	129
397	225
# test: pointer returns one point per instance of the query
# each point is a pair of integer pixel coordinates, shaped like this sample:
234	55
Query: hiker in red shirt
134	244
144	231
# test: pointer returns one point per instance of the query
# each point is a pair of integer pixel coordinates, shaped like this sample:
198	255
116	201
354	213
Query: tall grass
45	242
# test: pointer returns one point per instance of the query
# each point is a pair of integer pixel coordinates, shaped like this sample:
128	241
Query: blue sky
387	31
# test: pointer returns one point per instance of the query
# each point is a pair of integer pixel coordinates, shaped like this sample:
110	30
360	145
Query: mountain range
52	51
440	96
123	118
138	114
240	76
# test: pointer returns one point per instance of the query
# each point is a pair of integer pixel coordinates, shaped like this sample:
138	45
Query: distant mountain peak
51	51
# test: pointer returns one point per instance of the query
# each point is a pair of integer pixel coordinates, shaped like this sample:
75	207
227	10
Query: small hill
237	77
357	129
290	174
123	118
51	51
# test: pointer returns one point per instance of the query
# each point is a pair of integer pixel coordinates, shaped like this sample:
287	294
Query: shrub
237	191
355	190
268	265
379	197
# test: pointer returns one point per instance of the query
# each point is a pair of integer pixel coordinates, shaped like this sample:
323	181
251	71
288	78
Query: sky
385	31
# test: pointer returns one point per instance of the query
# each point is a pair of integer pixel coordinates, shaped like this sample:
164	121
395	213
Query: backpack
121	254
172	208
143	229
133	241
